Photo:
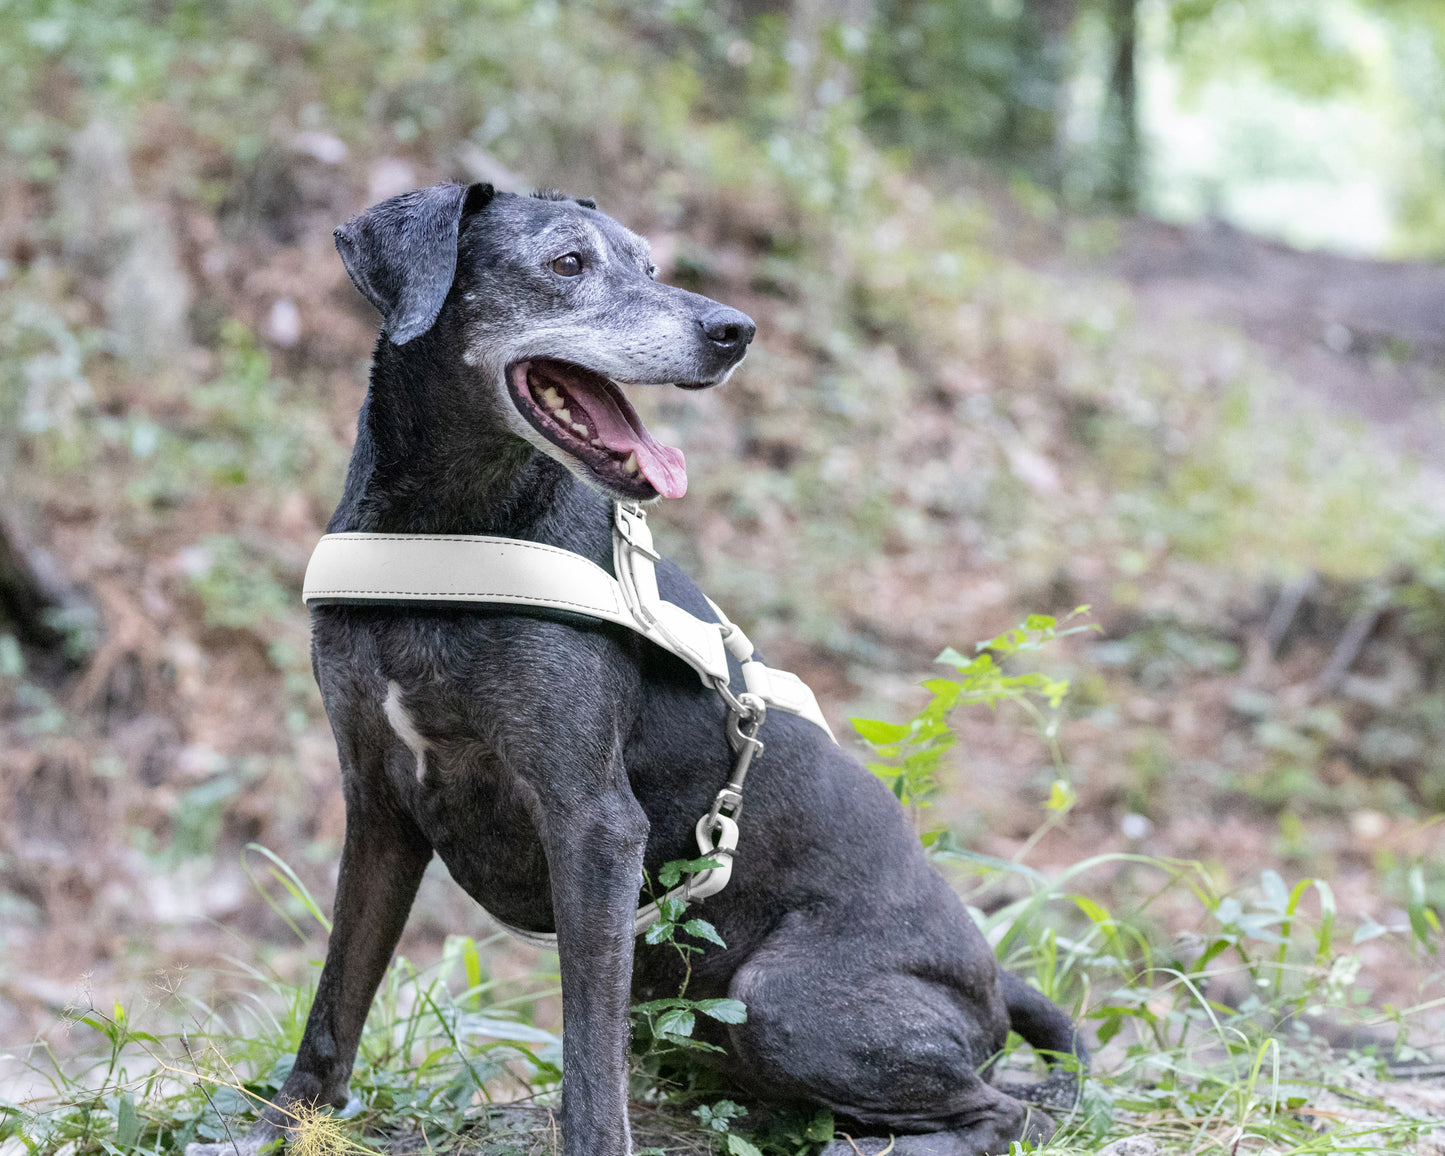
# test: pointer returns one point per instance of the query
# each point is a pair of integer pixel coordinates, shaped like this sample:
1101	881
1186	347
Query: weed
433	1049
664	1026
910	753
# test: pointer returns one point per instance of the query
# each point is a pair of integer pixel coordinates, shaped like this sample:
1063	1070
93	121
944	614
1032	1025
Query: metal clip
750	711
626	511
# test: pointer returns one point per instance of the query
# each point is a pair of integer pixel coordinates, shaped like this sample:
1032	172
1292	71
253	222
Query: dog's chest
473	810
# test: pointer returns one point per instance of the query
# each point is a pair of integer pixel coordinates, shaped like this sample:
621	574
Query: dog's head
555	308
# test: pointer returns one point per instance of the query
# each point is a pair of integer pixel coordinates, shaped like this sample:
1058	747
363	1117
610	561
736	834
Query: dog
549	760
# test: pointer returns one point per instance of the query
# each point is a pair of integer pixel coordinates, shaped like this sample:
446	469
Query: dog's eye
568	266
652	271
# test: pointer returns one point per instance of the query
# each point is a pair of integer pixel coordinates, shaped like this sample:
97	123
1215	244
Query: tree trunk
1120	130
1055	21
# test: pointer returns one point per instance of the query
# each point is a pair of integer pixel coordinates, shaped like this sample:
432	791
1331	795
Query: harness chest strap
508	571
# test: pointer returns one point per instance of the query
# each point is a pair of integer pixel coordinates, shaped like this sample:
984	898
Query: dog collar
404	568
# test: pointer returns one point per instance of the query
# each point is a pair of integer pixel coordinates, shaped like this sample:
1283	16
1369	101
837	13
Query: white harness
473	568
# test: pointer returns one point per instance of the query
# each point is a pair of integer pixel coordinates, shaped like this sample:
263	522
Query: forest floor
1242	721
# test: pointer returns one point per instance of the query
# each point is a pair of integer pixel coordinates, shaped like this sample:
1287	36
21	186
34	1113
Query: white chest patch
405	729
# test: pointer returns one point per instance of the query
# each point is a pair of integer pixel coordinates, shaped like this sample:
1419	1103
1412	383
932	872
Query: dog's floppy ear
402	253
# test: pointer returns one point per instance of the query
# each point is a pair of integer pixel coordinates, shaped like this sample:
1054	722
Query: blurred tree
1119	132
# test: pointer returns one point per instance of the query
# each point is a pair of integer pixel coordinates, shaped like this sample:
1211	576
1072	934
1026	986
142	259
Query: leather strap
471	568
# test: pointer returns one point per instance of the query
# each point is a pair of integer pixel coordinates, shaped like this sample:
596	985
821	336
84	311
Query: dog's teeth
629	465
578	427
598	443
549	395
562	415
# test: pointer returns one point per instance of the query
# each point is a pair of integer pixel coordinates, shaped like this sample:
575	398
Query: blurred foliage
964	77
1031	86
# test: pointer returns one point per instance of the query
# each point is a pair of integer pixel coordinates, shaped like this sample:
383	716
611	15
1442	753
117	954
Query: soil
1367	337
167	696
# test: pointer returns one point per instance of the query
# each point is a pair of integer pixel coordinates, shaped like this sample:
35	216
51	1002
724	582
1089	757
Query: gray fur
563	757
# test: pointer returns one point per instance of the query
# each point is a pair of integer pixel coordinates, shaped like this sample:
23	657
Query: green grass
1207	1040
1196	1072
439	1042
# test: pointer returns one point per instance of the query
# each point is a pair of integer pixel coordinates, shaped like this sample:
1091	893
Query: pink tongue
661	465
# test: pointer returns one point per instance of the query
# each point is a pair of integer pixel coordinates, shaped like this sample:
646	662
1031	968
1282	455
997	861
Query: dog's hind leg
382	863
892	1044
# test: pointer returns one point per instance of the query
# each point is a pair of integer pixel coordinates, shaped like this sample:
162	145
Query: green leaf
678	1022
472	961
1423	919
671	873
727	1011
878	731
702	929
127	1123
1327	917
737	1146
657	1005
820	1128
659	932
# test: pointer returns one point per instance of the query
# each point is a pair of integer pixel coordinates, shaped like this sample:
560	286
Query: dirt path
1366	337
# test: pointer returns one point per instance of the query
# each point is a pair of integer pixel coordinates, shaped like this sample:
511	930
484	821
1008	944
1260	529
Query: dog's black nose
727	328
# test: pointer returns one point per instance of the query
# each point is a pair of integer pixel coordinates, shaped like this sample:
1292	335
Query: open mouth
586	415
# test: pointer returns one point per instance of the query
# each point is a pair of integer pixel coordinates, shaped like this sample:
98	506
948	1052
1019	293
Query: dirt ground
170	699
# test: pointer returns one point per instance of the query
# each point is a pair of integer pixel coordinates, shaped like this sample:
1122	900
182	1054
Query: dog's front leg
594	856
381	866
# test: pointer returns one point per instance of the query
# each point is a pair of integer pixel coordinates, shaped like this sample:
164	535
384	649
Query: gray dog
550	760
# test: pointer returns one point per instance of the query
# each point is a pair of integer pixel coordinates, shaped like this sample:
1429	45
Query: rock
148	297
1131	1146
390	177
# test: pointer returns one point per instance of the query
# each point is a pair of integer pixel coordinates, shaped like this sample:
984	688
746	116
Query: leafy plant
909	754
432	1050
668	1023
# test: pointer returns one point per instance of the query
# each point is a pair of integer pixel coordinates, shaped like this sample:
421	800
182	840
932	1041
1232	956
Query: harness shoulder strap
460	568
355	567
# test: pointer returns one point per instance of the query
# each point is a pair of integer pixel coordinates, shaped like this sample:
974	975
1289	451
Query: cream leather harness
402	568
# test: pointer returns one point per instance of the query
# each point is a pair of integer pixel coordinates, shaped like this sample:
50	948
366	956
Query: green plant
439	1041
665	1025
909	754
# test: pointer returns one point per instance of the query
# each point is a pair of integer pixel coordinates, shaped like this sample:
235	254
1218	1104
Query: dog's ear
402	253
